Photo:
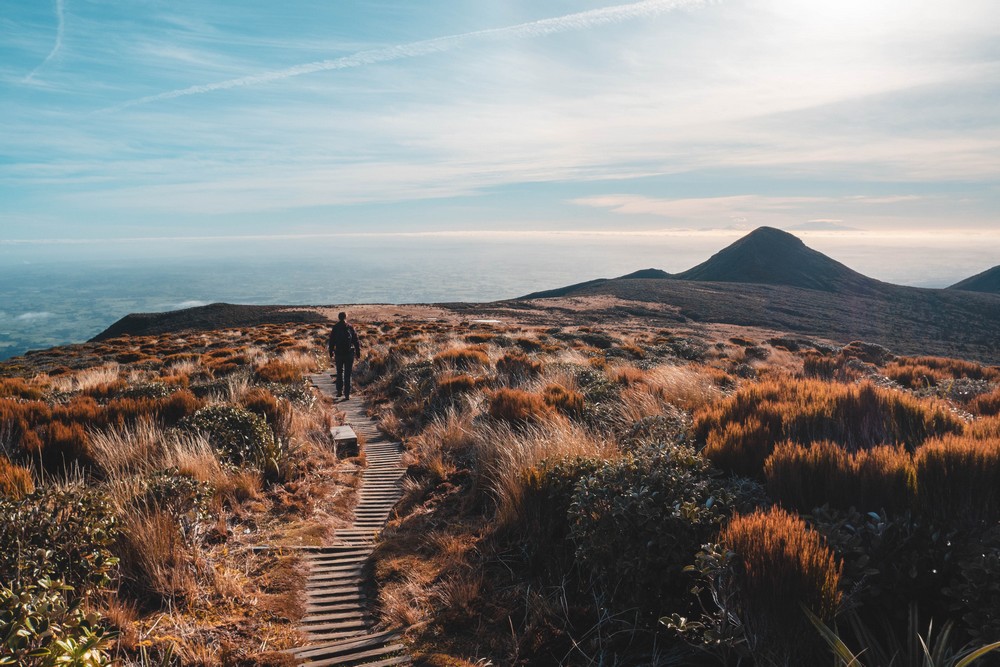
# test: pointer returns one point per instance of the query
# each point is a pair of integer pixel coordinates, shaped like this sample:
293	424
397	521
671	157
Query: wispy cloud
60	29
560	24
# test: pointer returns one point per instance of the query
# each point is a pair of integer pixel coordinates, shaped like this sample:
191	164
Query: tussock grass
505	454
740	432
780	566
958	479
806	477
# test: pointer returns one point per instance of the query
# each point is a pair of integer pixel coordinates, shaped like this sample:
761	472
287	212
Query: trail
337	624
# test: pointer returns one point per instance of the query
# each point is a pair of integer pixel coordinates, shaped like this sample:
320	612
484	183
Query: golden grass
505	454
516	406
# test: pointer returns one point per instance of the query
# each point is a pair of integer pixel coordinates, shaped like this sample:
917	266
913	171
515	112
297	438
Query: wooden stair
337	625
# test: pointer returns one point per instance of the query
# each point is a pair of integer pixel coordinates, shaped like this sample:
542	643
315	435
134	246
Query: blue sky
177	118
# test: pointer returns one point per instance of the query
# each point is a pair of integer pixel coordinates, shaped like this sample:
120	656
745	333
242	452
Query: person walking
344	348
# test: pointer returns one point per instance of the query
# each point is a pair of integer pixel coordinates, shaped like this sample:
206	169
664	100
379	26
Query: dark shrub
62	534
638	522
240	436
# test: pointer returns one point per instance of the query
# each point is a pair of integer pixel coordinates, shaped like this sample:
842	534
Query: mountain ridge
987	281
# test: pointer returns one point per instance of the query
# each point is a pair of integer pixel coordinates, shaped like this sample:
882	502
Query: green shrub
240	436
637	522
61	534
40	628
890	562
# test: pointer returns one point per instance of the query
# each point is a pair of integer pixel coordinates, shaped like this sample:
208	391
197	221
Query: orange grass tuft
15	482
958	478
741	431
780	566
804	478
464	358
516	406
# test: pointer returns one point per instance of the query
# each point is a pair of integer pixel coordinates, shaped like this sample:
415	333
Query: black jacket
344	340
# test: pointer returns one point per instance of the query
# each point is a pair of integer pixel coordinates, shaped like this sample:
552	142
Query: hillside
772	257
987	281
205	318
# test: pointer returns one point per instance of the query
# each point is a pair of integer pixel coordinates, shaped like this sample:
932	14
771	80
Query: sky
184	118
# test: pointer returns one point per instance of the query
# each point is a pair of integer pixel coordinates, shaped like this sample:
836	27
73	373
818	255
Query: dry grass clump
958	478
505	454
444	440
290	367
516	368
566	401
740	432
926	371
452	386
780	566
516	406
462	359
15	481
805	477
986	404
20	388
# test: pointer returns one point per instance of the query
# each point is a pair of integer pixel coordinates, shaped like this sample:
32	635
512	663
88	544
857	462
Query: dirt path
337	625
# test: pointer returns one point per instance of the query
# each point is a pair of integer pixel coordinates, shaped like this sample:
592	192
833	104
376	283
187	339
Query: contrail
541	28
61	18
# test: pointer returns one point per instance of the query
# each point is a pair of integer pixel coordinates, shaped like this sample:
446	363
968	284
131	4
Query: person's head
342	317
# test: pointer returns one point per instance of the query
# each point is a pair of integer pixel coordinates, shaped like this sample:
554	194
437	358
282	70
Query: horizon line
503	233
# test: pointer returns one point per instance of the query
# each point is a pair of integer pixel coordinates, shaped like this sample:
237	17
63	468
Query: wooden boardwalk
337	626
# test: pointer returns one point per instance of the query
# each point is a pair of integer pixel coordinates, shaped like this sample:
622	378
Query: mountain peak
774	257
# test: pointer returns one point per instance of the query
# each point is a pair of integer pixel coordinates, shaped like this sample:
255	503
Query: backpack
340	338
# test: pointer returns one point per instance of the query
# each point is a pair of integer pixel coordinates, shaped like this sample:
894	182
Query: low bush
780	565
61	534
543	525
39	627
805	477
240	436
637	522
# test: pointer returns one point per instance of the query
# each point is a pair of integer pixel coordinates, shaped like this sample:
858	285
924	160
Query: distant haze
60	292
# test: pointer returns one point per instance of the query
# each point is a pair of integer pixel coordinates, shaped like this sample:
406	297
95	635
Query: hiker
344	347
